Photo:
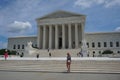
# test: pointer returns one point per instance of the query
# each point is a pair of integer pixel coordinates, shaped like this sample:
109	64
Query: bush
107	52
2	51
12	52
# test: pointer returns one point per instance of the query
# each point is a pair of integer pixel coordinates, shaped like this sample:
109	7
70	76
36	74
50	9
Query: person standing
68	62
37	55
81	54
49	54
5	55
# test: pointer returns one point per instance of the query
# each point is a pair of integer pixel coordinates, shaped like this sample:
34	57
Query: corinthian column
69	35
44	36
50	36
38	37
56	36
76	35
63	36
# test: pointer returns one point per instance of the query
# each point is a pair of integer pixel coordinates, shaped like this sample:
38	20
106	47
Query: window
14	46
22	46
111	44
93	53
105	44
118	52
93	44
99	45
18	46
117	44
87	44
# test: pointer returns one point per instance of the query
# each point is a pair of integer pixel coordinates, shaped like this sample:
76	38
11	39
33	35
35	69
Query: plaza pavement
10	75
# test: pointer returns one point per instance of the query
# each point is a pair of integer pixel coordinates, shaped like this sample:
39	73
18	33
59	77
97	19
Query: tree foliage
10	52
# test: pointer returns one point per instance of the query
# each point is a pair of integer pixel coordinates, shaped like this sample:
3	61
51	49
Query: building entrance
60	43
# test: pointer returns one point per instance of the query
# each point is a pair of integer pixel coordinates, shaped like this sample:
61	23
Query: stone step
63	70
56	65
54	52
58	68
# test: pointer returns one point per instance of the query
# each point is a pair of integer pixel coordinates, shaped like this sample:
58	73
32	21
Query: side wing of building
19	43
98	42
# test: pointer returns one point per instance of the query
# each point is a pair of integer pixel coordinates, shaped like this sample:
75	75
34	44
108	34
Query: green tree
10	52
2	51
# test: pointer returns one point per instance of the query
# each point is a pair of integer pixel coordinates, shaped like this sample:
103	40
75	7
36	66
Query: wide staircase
54	52
92	66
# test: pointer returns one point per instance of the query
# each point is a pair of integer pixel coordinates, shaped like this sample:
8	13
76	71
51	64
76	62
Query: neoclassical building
61	32
60	29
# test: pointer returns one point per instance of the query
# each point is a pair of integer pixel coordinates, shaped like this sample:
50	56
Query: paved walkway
8	75
61	58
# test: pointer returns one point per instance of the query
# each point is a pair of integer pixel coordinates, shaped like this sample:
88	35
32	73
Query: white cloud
25	10
117	29
111	3
19	27
90	3
83	4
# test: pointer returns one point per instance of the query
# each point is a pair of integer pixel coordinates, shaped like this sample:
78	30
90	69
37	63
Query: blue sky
17	17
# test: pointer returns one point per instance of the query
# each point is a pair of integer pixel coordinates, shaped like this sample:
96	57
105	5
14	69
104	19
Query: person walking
68	62
5	55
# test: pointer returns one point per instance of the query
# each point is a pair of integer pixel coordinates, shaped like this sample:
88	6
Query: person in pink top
5	55
68	62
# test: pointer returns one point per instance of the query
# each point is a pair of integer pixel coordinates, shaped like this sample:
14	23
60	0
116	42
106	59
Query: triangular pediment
60	14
